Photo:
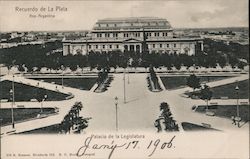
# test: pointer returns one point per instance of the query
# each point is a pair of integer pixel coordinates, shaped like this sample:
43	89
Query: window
106	35
166	34
107	25
160	45
110	46
115	35
167	45
103	46
174	45
89	46
153	45
117	46
96	46
115	25
99	34
157	34
125	34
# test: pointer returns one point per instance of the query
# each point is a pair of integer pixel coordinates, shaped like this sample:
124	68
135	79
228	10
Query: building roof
132	23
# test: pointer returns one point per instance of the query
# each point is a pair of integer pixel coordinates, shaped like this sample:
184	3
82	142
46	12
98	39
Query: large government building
133	34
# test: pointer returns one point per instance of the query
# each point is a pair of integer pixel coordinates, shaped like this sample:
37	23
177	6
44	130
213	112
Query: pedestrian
233	119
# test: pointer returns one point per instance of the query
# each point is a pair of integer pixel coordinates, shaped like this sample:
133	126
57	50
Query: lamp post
128	75
13	89
12	109
116	113
238	111
124	87
62	67
44	98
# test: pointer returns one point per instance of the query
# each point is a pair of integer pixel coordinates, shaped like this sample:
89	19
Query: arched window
125	47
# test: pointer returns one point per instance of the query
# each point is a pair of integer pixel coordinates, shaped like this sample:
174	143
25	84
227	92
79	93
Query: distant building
133	34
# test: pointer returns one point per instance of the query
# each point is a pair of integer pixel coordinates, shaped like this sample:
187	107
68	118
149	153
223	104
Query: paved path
64	105
182	107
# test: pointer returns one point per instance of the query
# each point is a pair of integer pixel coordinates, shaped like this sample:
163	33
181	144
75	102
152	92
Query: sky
81	15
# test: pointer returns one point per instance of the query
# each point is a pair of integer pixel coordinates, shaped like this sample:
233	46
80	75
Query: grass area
53	129
79	83
193	127
21	114
228	90
226	111
174	82
25	92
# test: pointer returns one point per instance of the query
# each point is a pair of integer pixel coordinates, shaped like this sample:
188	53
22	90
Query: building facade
133	34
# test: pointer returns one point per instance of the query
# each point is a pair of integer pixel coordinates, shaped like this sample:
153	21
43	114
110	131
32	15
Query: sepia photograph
124	79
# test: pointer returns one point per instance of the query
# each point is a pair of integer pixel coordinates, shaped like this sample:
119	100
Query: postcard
124	79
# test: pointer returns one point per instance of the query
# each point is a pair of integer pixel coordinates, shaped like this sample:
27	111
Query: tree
193	81
21	68
206	94
170	124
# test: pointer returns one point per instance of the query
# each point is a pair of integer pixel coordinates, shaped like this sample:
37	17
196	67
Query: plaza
137	109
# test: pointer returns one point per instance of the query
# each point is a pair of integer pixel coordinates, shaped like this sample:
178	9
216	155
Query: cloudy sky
81	15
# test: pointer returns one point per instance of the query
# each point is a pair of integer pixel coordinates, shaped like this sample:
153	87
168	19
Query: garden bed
194	127
102	87
79	83
24	92
226	111
23	114
175	82
226	91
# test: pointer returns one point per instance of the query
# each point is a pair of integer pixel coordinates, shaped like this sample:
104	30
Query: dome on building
132	23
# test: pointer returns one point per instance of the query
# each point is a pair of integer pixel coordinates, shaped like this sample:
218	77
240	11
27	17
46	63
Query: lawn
53	129
193	127
25	92
79	83
226	111
22	114
228	90
175	82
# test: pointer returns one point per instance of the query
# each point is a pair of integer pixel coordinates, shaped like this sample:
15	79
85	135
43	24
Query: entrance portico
132	45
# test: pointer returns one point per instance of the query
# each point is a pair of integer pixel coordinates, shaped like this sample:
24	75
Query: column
202	46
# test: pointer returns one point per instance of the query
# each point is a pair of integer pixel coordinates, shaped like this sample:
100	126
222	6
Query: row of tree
166	119
153	80
73	121
204	93
34	57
